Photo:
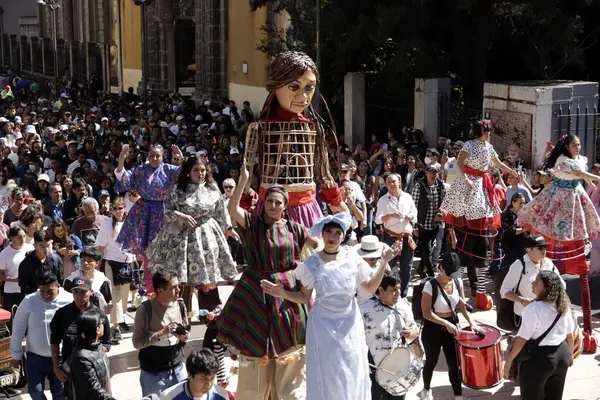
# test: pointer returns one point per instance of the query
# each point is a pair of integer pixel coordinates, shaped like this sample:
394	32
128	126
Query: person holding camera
428	194
160	333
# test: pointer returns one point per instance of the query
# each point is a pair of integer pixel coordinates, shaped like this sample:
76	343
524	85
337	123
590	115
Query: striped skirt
259	325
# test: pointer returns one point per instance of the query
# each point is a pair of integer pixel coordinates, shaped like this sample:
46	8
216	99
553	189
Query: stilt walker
564	214
471	209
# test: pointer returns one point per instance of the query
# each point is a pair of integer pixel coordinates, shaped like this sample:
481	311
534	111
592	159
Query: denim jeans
156	383
401	265
38	369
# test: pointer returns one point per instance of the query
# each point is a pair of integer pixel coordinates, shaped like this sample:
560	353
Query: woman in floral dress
193	238
564	214
152	181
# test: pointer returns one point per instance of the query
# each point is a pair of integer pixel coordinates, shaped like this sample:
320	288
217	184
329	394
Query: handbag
505	315
528	351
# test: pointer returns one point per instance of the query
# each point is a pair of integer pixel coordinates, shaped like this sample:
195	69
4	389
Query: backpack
418	295
148	310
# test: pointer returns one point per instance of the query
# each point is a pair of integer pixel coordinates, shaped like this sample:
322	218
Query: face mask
32	167
427	160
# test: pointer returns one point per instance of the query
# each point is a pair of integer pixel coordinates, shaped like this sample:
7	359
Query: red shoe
484	301
590	343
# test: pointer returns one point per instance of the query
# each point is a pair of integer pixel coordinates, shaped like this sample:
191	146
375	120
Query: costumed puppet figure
471	209
564	214
289	142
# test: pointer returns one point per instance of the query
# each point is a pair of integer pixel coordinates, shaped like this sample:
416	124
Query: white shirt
357	192
441	305
525	286
567	174
383	325
107	238
403	205
537	318
10	259
76	164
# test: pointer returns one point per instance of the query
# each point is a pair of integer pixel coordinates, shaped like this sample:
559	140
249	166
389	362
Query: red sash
487	180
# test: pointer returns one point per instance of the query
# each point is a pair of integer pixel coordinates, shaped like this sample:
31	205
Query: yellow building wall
131	44
244	37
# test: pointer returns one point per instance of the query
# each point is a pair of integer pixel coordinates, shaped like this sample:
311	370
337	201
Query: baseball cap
104	119
345	167
2	119
30	129
71	142
534	240
163	124
82	283
103	193
179	118
122	120
92	116
433	167
234	151
18	120
207	103
450	264
44	177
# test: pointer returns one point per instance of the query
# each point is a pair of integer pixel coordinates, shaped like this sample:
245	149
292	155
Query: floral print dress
201	254
563	211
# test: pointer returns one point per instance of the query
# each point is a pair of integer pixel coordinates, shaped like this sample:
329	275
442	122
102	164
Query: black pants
435	338
427	241
10	300
476	254
543	376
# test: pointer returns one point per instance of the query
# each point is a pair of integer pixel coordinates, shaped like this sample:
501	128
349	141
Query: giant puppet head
292	80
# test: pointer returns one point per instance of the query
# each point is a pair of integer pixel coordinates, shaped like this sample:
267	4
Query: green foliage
472	41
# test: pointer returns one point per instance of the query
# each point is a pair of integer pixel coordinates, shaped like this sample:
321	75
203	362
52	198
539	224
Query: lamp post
53	6
2	36
143	4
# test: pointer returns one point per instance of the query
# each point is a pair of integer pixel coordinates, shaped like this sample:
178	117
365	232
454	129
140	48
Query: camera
181	330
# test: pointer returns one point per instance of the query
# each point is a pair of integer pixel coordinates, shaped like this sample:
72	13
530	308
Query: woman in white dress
336	350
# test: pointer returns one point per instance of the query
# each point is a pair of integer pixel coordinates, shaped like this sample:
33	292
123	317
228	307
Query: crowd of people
102	197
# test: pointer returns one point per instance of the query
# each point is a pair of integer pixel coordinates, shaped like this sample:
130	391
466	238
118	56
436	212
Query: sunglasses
118	208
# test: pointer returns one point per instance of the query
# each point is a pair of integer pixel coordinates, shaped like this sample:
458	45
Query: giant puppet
288	146
564	214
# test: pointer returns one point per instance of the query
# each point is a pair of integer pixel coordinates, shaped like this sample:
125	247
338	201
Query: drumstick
384	370
481	334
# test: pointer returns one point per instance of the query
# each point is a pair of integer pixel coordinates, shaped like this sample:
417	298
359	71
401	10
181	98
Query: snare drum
480	359
399	371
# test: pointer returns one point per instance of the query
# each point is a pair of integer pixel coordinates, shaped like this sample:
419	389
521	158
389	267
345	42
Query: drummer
518	283
389	323
440	322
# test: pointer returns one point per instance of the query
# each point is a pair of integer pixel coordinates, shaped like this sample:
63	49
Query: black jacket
70	207
32	267
89	373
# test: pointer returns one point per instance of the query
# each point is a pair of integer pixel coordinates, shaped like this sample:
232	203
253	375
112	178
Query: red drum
480	358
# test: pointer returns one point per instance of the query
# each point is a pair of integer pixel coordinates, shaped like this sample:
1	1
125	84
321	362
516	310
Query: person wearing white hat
370	249
179	126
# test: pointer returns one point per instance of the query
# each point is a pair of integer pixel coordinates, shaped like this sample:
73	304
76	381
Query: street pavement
582	379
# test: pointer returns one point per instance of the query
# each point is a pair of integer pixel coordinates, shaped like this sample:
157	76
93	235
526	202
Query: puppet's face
295	96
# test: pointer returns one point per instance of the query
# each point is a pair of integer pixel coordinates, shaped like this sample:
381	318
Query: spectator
32	322
515	187
53	208
67	245
10	259
89	364
63	329
88	226
72	207
161	346
37	262
40	192
17	198
202	366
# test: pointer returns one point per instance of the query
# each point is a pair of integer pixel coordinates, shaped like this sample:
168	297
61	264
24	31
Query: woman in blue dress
152	181
336	349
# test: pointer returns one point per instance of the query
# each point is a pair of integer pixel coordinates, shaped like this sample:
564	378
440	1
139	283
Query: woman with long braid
267	332
548	318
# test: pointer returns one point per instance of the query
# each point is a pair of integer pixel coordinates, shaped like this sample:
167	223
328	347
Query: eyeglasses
228	187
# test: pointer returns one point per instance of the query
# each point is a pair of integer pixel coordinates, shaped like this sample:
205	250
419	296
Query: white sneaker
425	394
